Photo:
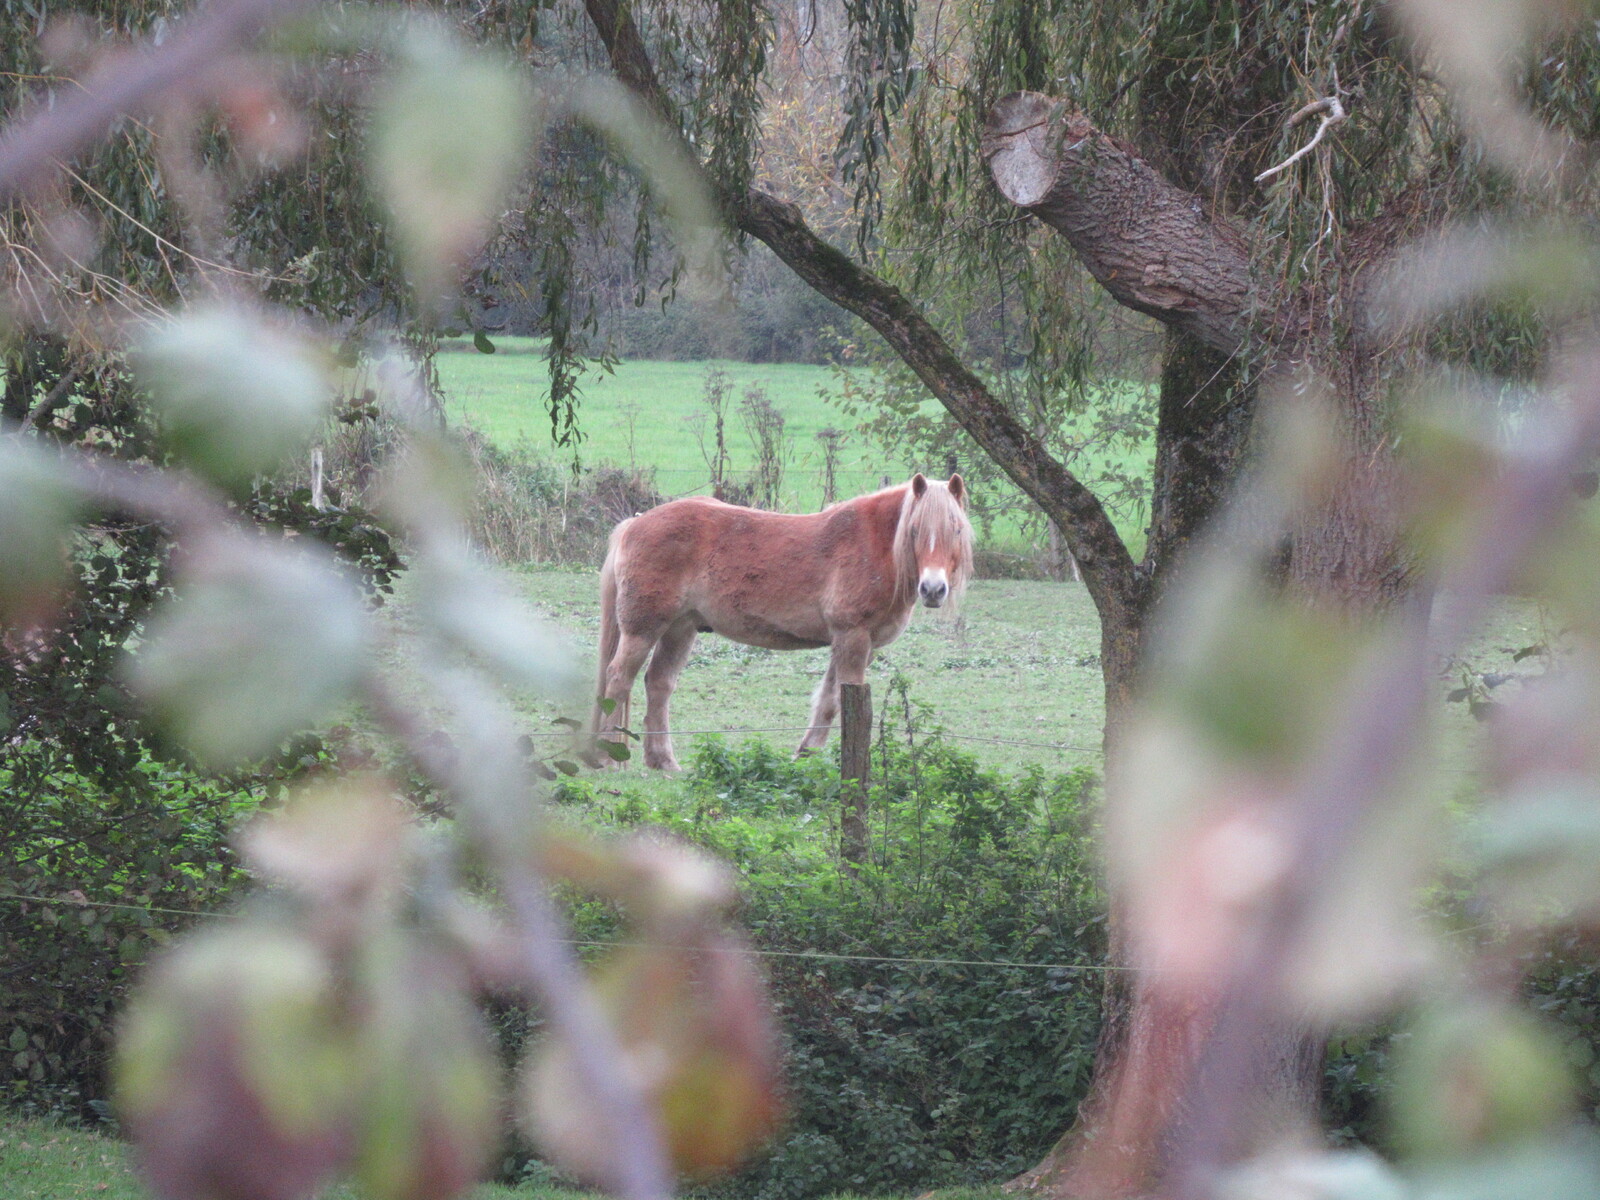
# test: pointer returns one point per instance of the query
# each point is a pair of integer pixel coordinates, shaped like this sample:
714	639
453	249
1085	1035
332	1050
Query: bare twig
45	405
1333	113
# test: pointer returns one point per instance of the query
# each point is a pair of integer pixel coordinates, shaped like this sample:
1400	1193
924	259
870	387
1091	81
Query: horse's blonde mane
935	513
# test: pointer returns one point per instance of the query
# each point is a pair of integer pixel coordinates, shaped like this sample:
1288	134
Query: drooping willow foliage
1204	90
300	232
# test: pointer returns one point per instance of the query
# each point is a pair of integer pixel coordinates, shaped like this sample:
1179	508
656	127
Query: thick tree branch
840	278
630	60
1108	568
1151	245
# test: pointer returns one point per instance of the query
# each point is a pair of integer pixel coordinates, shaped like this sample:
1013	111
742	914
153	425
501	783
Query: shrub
93	882
108	835
530	508
1559	981
914	1060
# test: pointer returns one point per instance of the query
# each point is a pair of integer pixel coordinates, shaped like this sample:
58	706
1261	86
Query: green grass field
652	414
41	1161
55	1162
1015	677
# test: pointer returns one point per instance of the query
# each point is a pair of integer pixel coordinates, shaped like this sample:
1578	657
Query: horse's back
701	523
754	576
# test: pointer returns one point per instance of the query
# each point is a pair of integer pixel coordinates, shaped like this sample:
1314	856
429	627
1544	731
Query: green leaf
260	641
1538	849
565	767
1477	1076
470	608
235	394
431	1114
568	722
450	129
1261	673
237	1039
37	510
480	339
616	750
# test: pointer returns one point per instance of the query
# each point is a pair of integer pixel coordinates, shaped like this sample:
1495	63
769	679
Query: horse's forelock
935	512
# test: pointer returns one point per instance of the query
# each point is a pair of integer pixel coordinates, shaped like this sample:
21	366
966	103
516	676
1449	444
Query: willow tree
1246	174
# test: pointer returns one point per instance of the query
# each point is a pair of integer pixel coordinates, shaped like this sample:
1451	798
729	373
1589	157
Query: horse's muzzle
933	592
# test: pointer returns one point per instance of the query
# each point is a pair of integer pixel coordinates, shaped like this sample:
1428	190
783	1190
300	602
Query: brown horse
846	577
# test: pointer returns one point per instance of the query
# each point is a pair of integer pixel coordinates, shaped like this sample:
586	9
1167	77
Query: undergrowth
941	1006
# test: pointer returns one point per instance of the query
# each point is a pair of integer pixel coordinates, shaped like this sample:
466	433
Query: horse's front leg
847	664
660	680
623	669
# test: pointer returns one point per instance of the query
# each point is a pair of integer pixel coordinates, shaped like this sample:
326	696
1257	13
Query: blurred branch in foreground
332	1028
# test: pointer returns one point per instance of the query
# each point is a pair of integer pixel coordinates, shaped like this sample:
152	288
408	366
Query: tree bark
1202	429
1149	243
1156	249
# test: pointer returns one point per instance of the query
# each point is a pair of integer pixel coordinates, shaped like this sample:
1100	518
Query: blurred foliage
97	808
70	849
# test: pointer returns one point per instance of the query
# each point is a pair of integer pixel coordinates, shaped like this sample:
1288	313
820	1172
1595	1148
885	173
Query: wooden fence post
855	764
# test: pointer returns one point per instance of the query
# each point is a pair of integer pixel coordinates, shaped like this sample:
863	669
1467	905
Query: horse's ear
918	484
958	490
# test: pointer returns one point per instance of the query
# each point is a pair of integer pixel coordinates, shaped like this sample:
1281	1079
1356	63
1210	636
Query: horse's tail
610	632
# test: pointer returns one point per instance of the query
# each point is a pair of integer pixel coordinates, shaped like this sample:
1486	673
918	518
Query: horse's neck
882	512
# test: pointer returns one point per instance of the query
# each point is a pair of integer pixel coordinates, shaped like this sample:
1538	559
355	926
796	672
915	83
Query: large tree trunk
1158	249
1202	429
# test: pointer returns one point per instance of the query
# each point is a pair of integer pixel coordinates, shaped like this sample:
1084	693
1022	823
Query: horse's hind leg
660	680
632	649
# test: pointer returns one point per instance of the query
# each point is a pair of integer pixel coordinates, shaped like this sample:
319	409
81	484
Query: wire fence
80	902
819	955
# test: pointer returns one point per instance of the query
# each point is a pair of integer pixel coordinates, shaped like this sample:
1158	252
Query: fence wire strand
821	955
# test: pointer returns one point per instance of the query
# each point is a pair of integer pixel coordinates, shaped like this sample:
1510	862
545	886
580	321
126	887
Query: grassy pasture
651	414
1015	677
